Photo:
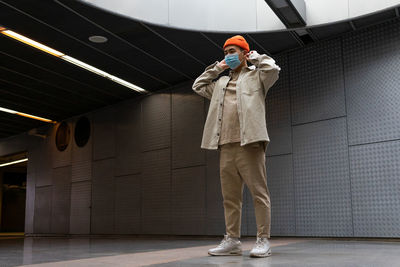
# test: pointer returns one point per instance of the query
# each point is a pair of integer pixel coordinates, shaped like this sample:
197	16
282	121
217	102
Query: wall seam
141	167
170	163
347	135
376	142
114	179
291	139
92	128
309	122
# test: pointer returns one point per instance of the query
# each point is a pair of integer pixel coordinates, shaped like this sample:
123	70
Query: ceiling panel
151	56
194	43
13	50
68	33
136	44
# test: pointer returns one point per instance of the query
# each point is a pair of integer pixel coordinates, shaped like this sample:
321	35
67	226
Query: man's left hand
253	54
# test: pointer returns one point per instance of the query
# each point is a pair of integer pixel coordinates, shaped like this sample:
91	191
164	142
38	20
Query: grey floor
155	251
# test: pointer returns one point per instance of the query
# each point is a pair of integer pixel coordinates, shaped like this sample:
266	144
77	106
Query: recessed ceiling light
98	39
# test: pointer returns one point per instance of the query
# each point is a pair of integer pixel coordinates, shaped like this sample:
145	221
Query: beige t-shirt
230	127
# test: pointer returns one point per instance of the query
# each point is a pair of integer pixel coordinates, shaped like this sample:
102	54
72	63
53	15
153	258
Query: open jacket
251	90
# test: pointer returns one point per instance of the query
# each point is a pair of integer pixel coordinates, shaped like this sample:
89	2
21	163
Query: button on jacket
251	90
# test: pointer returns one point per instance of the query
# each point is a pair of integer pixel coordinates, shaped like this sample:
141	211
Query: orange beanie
239	41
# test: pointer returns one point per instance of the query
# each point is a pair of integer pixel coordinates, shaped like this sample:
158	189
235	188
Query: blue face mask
232	60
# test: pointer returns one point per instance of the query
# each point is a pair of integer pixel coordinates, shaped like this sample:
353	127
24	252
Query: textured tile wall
331	165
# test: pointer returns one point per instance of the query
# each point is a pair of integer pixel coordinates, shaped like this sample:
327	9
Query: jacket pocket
250	85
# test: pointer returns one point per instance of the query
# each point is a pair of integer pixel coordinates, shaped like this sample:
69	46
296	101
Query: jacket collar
252	67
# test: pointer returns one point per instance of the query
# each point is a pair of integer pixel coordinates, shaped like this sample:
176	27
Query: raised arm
204	84
268	70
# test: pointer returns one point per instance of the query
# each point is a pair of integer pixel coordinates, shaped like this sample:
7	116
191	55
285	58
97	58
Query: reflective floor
156	251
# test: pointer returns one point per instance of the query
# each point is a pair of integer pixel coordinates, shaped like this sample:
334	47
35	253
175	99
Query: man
236	126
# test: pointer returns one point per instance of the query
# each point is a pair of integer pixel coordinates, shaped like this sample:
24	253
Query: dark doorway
13	198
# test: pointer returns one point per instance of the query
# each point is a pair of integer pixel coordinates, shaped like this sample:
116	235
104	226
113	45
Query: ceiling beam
292	13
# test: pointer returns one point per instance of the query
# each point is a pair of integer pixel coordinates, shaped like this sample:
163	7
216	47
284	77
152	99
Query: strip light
72	60
83	65
30	42
13	162
26	115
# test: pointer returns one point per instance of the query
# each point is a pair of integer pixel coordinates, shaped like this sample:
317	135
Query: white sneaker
261	248
228	246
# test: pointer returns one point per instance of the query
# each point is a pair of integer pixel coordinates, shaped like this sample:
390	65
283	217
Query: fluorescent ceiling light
26	115
72	60
125	83
8	110
35	117
102	73
13	162
31	42
84	65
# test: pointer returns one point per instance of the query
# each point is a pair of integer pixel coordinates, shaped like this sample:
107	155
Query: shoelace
223	242
260	243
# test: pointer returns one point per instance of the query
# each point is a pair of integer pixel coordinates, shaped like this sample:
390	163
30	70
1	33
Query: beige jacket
251	88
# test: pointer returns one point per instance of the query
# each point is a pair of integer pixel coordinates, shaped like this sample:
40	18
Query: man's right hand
223	65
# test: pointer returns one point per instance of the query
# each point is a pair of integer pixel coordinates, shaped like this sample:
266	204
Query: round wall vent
62	136
82	131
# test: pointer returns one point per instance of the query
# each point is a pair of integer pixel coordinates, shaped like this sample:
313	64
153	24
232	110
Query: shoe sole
267	254
235	253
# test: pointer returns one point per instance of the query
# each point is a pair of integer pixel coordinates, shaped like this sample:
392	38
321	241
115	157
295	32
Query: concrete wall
332	164
236	15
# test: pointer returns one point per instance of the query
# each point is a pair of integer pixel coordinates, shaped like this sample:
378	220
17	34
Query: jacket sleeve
204	84
268	70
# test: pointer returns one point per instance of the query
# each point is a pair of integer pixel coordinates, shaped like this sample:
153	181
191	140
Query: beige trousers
239	165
